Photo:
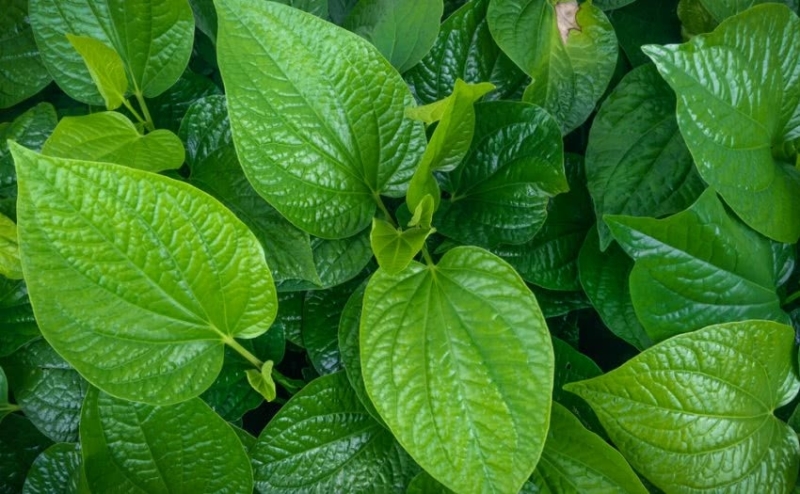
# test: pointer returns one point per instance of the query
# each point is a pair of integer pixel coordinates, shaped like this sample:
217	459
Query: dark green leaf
22	73
57	470
231	396
169	108
336	261
425	484
20	444
641	23
572	365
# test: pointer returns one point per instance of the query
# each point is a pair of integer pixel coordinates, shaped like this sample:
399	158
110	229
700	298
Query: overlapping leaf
22	73
57	469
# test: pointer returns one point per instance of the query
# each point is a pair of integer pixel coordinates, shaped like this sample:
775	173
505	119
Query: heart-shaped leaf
457	360
319	127
694	413
137	280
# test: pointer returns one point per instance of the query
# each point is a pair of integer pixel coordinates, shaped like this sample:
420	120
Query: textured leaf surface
48	390
154	40
111	138
323	440
702	264
571	56
575	461
9	249
105	66
137	280
694	413
133	447
738	94
464	49
57	470
20	444
458	362
16	316
403	30
22	73
501	191
169	108
636	161
317	116
336	261
394	248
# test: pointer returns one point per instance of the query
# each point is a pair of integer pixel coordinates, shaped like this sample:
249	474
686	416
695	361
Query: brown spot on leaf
565	18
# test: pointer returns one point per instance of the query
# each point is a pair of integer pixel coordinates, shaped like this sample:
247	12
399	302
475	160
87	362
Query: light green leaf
549	260
319	127
501	191
317	7
5	406
215	169
137	280
576	461
16	316
636	161
478	423
605	279
464	49
22	73
738	105
9	249
403	30
153	39
394	247
48	390
701	263
571	55
694	413
262	381
348	452
105	68
57	470
30	129
133	447
20	444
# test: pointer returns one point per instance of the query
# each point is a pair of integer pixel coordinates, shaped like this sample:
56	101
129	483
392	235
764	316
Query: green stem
133	110
11	407
427	256
292	386
383	209
148	119
791	298
244	352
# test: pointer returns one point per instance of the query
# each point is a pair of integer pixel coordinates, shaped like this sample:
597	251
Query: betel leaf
137	280
9	249
423	483
738	94
702	16
30	129
22	73
575	461
16	316
642	23
5	406
47	389
694	413
701	263
169	108
464	49
231	395
105	68
457	360
501	191
262	382
111	138
318	123
154	40
403	30
348	452
57	470
605	278
555	303
20	444
570	56
570	366
133	447
215	169
394	247
549	260
636	161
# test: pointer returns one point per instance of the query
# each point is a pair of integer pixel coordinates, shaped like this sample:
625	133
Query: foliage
379	246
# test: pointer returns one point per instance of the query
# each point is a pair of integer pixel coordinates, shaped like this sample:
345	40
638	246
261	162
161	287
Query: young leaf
576	460
319	126
111	138
636	161
338	446
501	191
694	413
137	280
701	263
22	73
133	447
738	104
403	30
457	360
20	444
153	39
9	249
262	381
105	67
57	469
571	56
465	50
16	316
47	389
395	248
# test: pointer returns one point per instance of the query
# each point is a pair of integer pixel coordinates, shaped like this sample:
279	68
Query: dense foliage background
403	246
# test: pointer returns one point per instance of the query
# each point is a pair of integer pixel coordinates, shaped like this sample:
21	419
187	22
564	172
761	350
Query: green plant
399	282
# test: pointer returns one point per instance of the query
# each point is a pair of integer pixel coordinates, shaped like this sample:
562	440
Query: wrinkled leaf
140	279
694	413
169	108
336	261
105	68
57	470
477	422
16	316
22	73
9	249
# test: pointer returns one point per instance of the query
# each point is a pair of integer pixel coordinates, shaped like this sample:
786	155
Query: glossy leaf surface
318	122
137	280
457	360
105	68
694	413
57	470
22	73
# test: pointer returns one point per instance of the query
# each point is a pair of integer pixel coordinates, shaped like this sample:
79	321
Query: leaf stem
791	298
427	256
292	386
383	209
148	119
133	110
244	352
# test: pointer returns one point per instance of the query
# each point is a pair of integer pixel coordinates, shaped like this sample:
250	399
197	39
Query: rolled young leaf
105	67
